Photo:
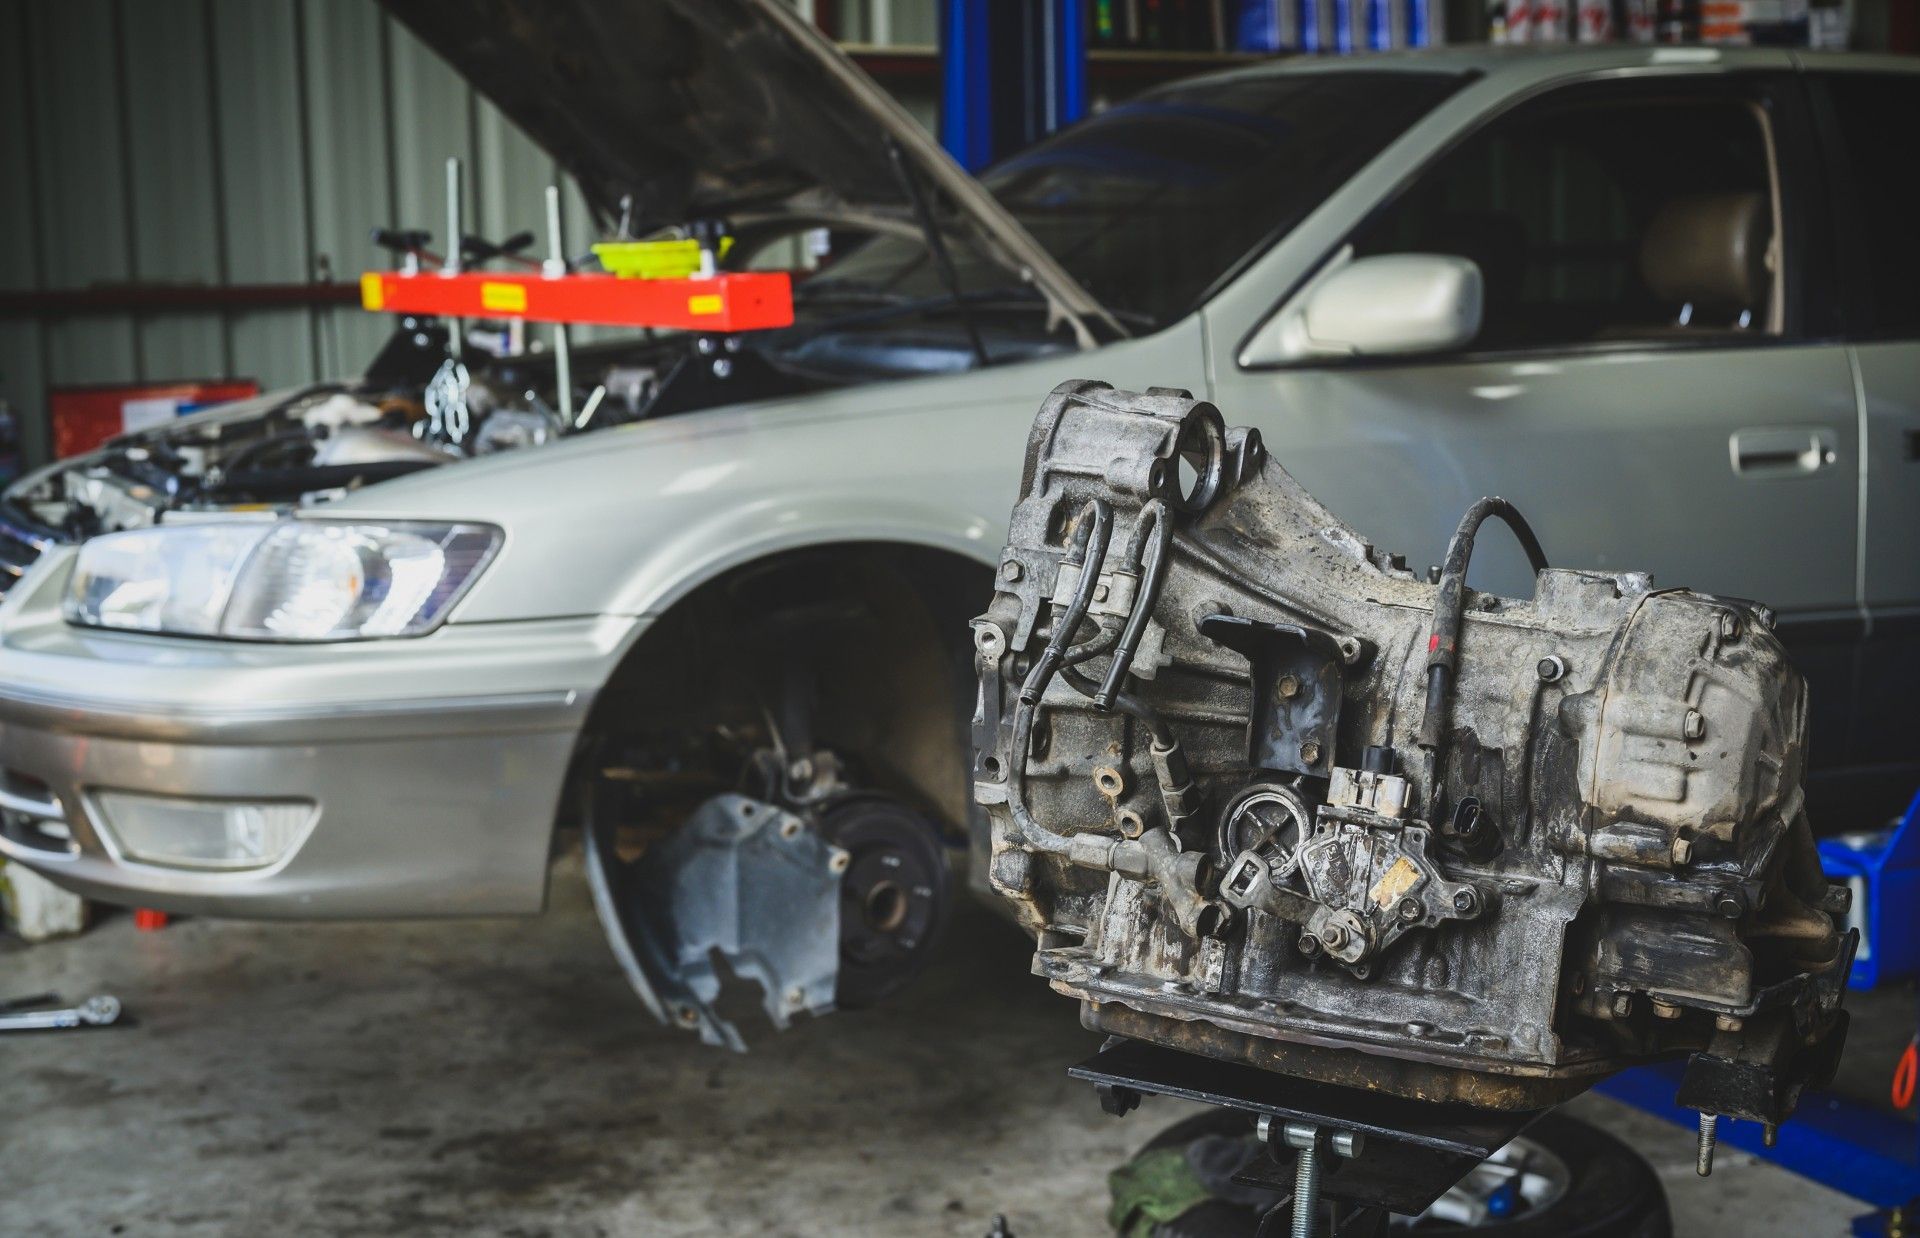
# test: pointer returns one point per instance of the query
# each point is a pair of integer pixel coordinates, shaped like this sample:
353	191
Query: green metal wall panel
176	208
19	239
258	76
351	182
431	119
22	341
511	176
79	178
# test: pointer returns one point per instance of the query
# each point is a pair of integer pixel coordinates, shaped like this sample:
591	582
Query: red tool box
85	417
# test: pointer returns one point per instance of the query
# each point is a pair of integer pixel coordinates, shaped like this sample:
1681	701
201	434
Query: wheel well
871	636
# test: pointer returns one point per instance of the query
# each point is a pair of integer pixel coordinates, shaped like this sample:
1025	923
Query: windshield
1150	203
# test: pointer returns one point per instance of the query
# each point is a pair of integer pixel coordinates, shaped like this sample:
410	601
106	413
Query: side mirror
1390	305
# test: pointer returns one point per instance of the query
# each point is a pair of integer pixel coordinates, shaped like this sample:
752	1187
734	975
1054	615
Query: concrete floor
497	1077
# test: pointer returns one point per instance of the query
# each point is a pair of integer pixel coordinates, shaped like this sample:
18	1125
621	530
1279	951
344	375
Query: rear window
1874	111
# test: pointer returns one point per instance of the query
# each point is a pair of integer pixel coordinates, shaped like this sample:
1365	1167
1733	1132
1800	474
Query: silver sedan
1584	279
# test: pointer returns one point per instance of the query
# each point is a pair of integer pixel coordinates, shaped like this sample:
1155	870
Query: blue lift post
1011	72
1840	1143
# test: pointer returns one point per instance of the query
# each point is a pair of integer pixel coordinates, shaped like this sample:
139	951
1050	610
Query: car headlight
290	580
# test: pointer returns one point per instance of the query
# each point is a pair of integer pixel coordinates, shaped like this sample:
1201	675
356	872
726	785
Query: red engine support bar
731	301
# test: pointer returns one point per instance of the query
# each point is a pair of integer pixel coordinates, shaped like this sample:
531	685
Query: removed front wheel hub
894	899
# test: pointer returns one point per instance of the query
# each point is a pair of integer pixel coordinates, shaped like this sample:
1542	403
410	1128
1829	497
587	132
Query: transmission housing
1259	792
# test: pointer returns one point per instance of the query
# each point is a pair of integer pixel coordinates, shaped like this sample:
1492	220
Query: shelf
171	298
1105	65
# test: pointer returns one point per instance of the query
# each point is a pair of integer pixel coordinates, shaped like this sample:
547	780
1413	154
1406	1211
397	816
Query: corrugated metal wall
229	142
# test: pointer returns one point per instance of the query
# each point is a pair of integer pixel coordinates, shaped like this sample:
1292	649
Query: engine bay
418	407
1261	793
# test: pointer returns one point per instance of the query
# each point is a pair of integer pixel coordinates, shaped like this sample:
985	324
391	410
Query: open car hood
702	109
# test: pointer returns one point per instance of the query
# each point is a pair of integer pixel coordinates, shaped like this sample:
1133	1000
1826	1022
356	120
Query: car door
1877	183
1645	383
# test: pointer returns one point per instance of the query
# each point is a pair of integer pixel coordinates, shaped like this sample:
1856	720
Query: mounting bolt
1310	751
1011	570
1466	902
1693	726
1730	905
1709	1135
1409	909
1622	1005
1728	1022
1334	936
1309	1142
1288	687
1207	610
1306	1177
1665	1010
1551	668
1099	593
1682	850
1729	625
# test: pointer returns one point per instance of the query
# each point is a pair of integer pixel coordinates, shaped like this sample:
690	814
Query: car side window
1886	187
1600	216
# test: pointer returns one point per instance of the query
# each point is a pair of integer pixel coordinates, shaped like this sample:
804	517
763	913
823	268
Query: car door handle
1782	451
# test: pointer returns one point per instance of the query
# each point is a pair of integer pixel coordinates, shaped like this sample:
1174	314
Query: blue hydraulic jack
1840	1143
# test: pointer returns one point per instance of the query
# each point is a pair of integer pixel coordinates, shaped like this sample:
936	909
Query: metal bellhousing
1260	792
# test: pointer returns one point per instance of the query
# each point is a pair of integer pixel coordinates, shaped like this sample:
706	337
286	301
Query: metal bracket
743	878
1298	675
1400	1154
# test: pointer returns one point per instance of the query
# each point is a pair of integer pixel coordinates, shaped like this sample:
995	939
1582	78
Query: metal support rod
554	268
1308	1142
1306	1188
1709	1135
451	264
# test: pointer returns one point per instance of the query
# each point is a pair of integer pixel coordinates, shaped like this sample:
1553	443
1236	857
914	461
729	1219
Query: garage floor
497	1077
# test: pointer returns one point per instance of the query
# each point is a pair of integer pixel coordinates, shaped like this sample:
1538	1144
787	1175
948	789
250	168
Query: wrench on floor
94	1012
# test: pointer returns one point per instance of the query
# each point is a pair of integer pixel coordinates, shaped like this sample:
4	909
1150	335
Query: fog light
222	834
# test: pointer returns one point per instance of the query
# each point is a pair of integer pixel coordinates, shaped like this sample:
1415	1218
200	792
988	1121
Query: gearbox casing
1265	848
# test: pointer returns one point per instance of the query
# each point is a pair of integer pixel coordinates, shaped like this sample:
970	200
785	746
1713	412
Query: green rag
1152	1189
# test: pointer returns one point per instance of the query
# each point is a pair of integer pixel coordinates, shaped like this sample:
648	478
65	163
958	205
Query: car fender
752	531
625	520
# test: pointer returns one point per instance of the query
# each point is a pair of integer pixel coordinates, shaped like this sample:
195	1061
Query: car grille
21	544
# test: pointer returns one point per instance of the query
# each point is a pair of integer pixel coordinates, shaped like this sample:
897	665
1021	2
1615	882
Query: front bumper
436	763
